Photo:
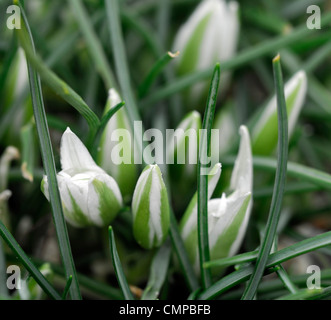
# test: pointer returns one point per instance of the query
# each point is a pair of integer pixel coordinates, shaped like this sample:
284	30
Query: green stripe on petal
190	56
223	246
76	216
109	205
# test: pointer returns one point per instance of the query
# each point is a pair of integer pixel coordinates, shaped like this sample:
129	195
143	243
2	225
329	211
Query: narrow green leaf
34	271
182	255
295	170
237	259
66	288
284	277
118	267
3	280
103	123
279	186
121	64
158	273
274	259
93	43
154	72
49	167
52	80
262	49
304	294
204	154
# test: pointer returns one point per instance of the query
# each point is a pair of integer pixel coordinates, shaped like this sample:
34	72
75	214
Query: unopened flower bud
115	154
150	208
210	35
89	195
265	132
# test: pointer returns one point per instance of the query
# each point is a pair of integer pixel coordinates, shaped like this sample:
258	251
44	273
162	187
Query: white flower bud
89	195
265	132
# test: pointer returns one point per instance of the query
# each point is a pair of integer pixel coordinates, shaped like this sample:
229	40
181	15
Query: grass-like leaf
204	154
279	186
66	288
34	271
274	259
49	167
118	267
182	256
154	72
102	126
121	64
158	272
3	286
53	81
284	277
262	49
93	44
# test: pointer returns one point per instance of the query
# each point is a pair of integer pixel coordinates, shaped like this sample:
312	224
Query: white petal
298	78
185	32
77	189
74	154
113	98
217	225
191	222
242	174
155	226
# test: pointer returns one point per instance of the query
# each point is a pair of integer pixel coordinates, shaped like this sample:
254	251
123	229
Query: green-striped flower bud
89	195
265	131
210	35
182	146
116	154
227	216
150	208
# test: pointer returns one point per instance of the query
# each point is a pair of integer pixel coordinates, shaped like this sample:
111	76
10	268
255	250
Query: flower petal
242	174
74	155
